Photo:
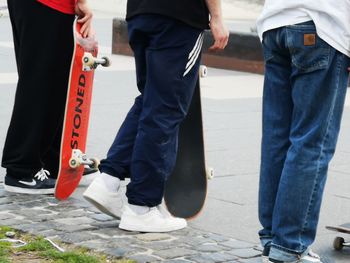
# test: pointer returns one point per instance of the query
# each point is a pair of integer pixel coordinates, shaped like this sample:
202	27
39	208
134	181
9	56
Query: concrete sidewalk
226	230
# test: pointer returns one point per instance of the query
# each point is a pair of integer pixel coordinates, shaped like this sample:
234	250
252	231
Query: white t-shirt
331	17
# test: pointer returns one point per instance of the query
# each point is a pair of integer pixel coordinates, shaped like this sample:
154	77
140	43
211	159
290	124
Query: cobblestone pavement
75	221
232	123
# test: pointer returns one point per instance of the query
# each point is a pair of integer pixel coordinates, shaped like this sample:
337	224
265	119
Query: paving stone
232	243
251	260
95	244
72	214
159	245
212	257
10	207
76	237
143	258
75	228
4	216
194	241
51	233
34	204
13	222
174	252
245	252
121	251
106	232
108	224
81	203
35	227
153	237
5	201
75	221
62	207
216	237
100	217
177	261
32	213
210	248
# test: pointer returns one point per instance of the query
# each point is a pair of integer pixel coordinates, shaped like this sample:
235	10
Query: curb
243	52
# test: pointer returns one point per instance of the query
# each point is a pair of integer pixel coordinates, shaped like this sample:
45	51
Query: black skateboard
339	242
186	188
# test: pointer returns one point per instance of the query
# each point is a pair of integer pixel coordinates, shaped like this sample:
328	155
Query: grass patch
39	250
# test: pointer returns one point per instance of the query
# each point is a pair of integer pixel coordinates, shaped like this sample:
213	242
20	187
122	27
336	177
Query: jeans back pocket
308	51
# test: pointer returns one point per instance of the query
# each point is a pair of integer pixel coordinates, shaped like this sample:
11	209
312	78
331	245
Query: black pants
43	39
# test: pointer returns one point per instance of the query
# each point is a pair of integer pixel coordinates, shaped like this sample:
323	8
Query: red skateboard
76	120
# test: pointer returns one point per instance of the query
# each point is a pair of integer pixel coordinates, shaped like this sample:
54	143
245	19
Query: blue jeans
167	56
304	92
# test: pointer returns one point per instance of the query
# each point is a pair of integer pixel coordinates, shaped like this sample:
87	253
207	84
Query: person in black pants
166	37
43	40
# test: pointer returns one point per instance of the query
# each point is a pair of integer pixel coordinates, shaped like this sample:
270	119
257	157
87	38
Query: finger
223	43
85	26
215	46
85	18
220	43
84	29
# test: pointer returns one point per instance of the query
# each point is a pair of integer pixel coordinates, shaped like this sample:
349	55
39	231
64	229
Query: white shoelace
42	175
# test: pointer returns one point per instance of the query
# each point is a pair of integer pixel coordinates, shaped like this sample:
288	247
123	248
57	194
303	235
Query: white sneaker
102	198
152	221
308	257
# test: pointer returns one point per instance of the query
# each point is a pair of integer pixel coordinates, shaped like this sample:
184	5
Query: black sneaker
40	184
265	254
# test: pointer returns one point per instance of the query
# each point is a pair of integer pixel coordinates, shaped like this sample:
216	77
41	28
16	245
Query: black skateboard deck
186	188
339	242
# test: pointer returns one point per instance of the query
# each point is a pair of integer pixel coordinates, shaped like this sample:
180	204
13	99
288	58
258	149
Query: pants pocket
308	51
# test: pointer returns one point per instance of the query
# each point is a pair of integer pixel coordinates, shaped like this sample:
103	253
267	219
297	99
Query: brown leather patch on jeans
309	39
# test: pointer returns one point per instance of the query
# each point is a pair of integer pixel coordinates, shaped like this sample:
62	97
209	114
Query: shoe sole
265	259
134	228
21	190
98	203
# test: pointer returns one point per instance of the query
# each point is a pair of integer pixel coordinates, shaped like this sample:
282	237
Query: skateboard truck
79	158
90	62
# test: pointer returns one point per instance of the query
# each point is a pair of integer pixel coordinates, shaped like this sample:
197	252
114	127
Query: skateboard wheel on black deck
210	173
338	243
203	71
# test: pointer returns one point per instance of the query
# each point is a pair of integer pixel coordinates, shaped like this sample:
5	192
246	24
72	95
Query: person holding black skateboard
166	37
43	40
306	48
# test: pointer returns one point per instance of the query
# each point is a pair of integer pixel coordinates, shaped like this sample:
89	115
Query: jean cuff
110	171
284	254
265	241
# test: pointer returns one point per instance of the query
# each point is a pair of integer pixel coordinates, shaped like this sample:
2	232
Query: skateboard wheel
338	243
107	62
88	59
210	173
73	163
95	163
203	71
